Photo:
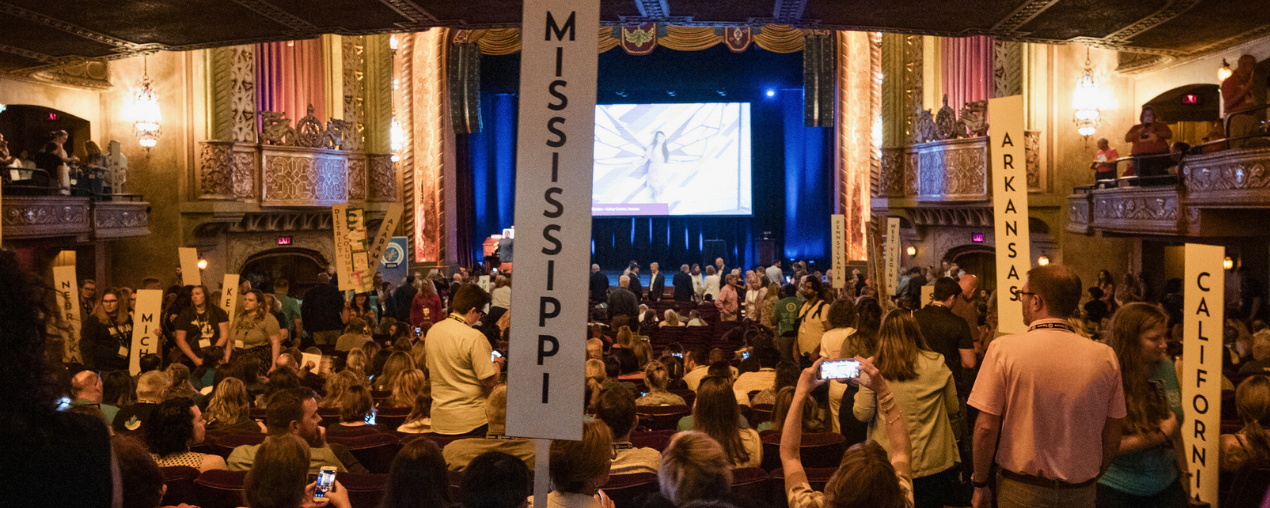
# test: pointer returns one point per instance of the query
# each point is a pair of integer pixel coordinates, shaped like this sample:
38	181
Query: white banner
892	254
190	274
145	320
352	262
1202	365
554	160
67	285
383	238
1009	205
229	299
838	233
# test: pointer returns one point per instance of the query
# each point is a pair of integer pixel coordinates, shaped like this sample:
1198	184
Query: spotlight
671	93
723	93
771	93
911	251
202	264
1228	263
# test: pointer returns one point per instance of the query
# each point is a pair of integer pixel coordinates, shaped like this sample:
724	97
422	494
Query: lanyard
1061	326
459	319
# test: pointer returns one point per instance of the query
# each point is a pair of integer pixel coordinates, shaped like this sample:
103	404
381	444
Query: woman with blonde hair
336	386
921	383
694	467
671	319
716	413
406	389
358	362
596	376
658	378
397	363
625	337
579	468
229	408
767	306
256	332
106	337
181	386
1147	469
1251	445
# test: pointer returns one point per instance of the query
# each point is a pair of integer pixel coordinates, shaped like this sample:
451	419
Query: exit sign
1190	98
284	240
976	237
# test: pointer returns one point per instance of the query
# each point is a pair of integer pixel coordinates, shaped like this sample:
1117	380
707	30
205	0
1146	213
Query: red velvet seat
661	417
751	483
220	489
689	396
349	432
439	439
392	417
374	451
225	443
624	489
762	412
656	439
365	490
818	449
180	482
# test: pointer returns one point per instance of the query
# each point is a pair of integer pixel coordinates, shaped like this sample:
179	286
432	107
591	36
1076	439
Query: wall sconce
202	264
911	251
1085	100
1228	263
1224	71
146	116
1043	261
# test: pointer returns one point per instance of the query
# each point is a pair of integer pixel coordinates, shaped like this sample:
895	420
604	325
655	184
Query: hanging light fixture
146	116
397	139
1085	100
1224	71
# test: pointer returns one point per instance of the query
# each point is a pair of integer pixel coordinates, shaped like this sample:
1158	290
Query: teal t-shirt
1150	471
787	314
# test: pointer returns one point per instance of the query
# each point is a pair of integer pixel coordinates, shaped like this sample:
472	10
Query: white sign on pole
67	285
229	300
145	320
190	274
1202	365
892	254
559	61
383	238
1009	205
838	228
352	261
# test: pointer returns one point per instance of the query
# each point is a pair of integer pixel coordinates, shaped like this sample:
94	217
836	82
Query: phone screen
839	369
494	355
418	331
678	355
325	479
745	355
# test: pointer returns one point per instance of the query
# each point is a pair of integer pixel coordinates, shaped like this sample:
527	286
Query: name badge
204	343
123	351
238	344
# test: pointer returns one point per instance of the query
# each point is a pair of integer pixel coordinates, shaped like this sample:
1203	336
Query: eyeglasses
1021	293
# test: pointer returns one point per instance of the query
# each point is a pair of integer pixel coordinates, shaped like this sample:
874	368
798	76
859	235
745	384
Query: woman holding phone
1147	470
921	384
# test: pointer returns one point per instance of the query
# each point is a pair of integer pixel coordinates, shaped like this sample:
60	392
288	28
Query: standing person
200	326
1103	165
459	367
774	273
922	384
321	311
107	334
1150	467
1150	137
948	334
698	283
754	293
787	319
727	300
915	282
255	331
1238	94
684	290
500	297
1107	284
622	302
720	268
290	308
599	284
1050	426
379	297
87	294
426	310
710	284
812	320
965	305
842	319
636	286
403	298
656	282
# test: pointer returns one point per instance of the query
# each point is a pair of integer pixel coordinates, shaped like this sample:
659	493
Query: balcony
44	216
945	177
292	176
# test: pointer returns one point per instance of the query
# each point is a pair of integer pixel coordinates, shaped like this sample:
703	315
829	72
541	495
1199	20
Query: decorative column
859	74
376	117
225	172
1007	68
425	118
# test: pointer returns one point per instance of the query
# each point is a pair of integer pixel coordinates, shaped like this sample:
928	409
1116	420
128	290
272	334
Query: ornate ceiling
41	34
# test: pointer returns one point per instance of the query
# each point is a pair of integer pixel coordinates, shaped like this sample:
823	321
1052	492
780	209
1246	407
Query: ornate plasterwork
241	247
242	82
1229	178
354	58
1032	153
1007	68
357	178
942	216
1137	211
953	172
1078	213
891	177
382	178
35	217
304	179
120	219
215	169
92	74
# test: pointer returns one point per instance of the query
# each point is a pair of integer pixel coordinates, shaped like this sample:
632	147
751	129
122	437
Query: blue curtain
493	160
808	182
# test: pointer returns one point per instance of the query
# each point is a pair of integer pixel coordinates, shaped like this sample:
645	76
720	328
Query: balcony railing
948	171
47	216
291	176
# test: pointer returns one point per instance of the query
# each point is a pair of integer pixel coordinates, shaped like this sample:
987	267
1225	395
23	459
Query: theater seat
656	439
762	412
817	477
365	490
751	483
180	482
456	484
392	417
689	396
374	451
624	489
1248	488
225	443
220	489
818	449
661	417
351	431
439	439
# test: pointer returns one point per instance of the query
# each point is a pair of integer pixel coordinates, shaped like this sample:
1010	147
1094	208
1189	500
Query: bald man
86	389
599	284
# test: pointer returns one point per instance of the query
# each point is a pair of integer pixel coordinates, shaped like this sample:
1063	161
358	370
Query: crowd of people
946	412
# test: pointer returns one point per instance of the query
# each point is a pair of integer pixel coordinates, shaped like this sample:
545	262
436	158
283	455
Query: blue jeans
1012	494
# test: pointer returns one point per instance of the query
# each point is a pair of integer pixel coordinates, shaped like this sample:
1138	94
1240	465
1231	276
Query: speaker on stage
465	87
818	79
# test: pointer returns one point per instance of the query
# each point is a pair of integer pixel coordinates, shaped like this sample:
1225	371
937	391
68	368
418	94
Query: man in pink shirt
1050	404
727	301
1104	168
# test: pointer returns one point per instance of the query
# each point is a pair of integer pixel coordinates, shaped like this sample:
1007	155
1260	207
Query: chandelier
1085	100
146	118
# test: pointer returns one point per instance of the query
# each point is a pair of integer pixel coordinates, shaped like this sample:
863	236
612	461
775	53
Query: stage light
1224	71
1043	261
202	264
911	251
771	93
723	93
1228	263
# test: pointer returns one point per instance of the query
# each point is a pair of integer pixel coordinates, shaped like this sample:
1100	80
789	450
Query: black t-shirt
199	327
60	460
945	333
133	418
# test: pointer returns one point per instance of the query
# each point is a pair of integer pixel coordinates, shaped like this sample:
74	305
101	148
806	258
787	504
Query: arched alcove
297	265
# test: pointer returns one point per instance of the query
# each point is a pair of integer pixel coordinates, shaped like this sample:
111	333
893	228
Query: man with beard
294	411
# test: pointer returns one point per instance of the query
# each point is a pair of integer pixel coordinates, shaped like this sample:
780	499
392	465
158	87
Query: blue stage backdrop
792	165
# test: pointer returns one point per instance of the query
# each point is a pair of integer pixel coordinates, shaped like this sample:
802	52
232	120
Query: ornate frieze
950	170
1232	178
383	178
292	176
53	216
120	219
357	177
1078	211
1138	211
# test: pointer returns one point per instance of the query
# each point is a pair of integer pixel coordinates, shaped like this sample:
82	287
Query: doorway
298	266
979	261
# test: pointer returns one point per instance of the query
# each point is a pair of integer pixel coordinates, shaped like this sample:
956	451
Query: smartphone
678	355
418	331
325	480
494	355
839	369
745	355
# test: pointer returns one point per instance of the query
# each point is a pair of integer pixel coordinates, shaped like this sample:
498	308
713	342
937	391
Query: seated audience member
181	386
290	361
716	356
204	375
812	421
722	369
1251	445
495	480
358	362
140	479
716	413
279	380
118	388
277	479
695	469
694	319
1260	363
628	364
595	349
294	412
337	385
866	477
356	334
406	389
417	478
172	428
760	380
1096	308
355	407
657	378
672	320
86	390
420	418
396	363
695	368
579	468
152	388
459	453
229	409
786	375
616	408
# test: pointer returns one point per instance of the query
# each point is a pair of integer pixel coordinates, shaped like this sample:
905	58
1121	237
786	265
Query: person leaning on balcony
1149	137
1103	165
1237	95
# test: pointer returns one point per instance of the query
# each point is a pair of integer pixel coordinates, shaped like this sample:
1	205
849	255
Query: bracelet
893	418
886	398
978	484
